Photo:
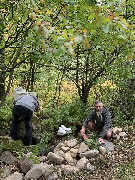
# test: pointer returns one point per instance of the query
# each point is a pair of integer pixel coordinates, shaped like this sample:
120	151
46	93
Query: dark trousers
21	113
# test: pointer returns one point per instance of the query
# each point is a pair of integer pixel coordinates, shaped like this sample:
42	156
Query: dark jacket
102	123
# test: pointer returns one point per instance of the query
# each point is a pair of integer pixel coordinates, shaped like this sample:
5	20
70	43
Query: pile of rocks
69	156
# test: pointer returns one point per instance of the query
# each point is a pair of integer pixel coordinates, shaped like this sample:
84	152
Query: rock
73	152
109	146
65	149
55	158
81	164
39	170
90	167
25	164
15	176
122	134
68	157
60	153
83	148
8	158
90	153
116	130
43	158
71	143
68	169
102	150
5	171
58	147
53	176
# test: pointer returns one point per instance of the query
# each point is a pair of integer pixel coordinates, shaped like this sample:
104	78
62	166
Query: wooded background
71	52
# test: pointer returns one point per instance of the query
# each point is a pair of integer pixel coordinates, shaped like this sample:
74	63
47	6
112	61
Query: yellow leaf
58	31
32	16
38	23
42	1
65	34
111	15
6	36
85	31
49	12
87	42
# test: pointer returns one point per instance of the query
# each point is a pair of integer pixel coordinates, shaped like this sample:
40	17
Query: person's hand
83	133
100	140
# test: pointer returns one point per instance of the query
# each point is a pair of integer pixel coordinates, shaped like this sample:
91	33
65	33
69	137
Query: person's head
19	91
99	106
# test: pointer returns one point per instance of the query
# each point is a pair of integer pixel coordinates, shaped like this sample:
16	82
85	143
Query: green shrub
71	115
6	115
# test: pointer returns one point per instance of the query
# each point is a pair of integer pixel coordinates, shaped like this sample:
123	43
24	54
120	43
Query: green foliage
34	158
45	139
70	115
92	142
14	146
6	114
34	152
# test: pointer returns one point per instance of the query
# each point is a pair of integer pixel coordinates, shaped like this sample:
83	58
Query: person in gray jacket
98	120
24	106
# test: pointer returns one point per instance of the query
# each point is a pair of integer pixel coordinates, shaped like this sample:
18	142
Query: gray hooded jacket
28	101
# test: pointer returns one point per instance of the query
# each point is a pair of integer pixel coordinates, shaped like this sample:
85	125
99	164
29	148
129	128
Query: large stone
60	153
83	148
102	150
81	164
58	147
116	130
25	164
68	169
55	158
90	153
90	167
65	149
73	152
53	176
68	157
5	171
8	158
15	176
109	146
71	143
122	134
39	170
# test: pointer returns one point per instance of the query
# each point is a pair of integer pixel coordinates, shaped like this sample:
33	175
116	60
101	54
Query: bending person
24	107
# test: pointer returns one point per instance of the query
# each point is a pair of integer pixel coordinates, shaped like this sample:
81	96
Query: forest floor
118	165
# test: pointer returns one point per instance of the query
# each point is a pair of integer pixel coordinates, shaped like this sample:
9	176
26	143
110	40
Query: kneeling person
99	120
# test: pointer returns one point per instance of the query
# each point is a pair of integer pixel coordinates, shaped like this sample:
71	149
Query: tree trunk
2	76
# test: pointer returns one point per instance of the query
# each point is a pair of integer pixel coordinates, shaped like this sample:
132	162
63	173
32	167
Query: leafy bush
6	115
70	115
